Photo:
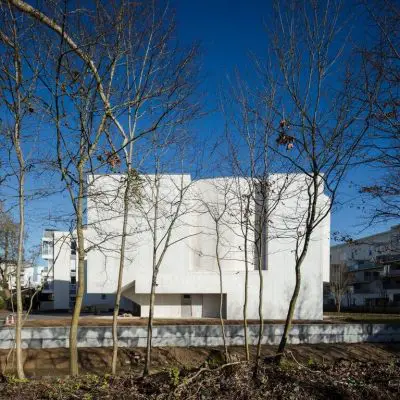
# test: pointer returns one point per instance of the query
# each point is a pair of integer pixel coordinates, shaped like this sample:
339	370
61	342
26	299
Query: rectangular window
46	248
73	247
73	280
103	296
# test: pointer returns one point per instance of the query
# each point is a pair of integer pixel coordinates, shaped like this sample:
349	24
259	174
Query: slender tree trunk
155	265
18	326
260	311
21	204
289	317
73	334
261	287
338	304
147	363
293	301
120	275
221	295
299	261
246	289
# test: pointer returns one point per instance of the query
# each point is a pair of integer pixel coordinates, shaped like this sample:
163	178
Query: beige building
374	265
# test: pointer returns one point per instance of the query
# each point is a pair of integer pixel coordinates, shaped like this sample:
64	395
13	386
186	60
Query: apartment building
59	277
373	263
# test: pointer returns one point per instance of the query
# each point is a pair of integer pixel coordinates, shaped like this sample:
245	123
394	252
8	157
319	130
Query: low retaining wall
202	335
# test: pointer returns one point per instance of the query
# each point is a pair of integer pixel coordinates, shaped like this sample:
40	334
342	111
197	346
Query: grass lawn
363	317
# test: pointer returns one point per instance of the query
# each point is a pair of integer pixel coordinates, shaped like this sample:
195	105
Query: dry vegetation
292	380
329	318
359	371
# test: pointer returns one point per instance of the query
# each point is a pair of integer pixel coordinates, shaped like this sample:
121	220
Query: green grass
364	317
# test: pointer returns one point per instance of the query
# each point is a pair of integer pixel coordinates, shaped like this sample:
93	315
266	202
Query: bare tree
219	211
164	205
339	283
160	81
81	119
18	79
251	130
319	127
381	87
155	77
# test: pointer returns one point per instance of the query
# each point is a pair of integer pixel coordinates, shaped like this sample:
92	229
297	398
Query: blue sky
227	31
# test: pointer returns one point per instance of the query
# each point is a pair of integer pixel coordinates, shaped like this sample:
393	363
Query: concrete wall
202	335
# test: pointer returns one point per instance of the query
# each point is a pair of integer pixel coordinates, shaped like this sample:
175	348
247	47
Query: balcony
362	279
48	287
393	274
363	290
388	258
361	265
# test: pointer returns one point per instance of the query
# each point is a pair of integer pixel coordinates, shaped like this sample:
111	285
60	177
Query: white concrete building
374	264
32	277
59	277
188	280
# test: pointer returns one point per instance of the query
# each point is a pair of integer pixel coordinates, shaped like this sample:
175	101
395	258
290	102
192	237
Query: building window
186	296
73	280
103	296
73	247
46	248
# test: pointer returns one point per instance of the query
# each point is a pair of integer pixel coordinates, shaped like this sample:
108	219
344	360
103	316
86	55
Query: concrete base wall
202	335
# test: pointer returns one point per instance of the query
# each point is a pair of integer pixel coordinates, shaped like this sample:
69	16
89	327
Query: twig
200	371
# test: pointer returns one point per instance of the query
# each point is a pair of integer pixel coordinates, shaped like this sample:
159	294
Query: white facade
32	276
188	280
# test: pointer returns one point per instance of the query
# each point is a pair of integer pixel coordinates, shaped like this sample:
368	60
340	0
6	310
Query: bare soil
357	372
54	362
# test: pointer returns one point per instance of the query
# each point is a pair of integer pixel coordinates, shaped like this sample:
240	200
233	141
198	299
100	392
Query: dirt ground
54	362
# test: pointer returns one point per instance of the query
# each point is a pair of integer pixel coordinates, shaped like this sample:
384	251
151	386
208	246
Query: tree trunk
147	363
120	275
260	257
338	304
289	317
18	326
246	289
21	204
73	334
260	311
155	265
299	261
221	296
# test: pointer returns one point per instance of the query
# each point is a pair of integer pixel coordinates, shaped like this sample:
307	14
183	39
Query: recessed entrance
186	301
